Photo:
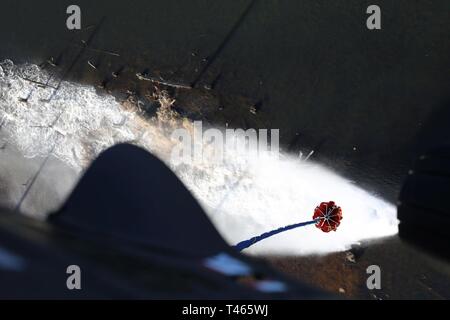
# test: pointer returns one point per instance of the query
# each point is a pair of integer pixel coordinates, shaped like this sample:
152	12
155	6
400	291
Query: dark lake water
366	101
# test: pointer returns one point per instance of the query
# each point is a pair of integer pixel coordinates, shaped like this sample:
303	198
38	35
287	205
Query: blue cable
247	243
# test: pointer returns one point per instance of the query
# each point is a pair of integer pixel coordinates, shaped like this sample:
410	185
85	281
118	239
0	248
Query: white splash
243	198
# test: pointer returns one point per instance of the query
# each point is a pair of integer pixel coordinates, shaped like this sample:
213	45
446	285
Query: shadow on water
436	130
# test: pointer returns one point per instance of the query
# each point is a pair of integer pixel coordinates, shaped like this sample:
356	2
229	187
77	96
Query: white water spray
243	197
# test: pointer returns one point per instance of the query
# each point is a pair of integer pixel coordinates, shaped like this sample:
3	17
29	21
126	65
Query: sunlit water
243	196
